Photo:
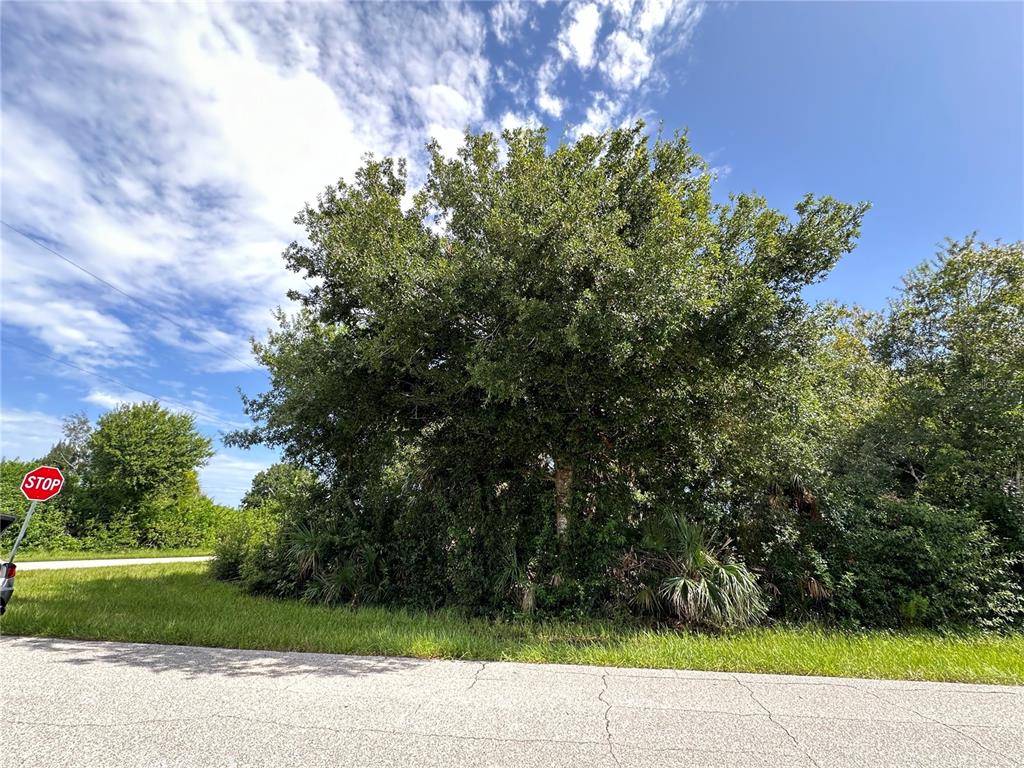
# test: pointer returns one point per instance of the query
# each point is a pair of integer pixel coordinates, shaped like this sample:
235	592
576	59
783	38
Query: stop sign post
41	484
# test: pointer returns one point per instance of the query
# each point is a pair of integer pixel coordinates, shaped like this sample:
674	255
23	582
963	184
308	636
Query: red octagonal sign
42	483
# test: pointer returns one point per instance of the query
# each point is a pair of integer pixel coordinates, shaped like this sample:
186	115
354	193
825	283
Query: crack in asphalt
968	736
771	718
476	675
299	726
607	719
950	727
129	723
394	732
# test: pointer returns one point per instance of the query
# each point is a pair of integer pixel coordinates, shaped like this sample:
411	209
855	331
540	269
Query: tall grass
180	604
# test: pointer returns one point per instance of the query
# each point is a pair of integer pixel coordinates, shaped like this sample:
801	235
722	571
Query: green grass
181	604
105	554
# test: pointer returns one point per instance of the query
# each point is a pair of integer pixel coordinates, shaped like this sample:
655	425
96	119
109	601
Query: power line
112	380
127	295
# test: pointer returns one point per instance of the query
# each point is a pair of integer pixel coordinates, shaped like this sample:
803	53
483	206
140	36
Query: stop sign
42	483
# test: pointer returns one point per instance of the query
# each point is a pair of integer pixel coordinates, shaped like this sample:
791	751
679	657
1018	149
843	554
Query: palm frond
697	583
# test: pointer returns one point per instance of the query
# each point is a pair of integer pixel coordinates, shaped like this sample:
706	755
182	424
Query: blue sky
166	149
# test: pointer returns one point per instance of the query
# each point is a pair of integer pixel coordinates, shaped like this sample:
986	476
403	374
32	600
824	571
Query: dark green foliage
12	500
420	538
180	517
908	563
281	486
573	334
953	432
506	378
244	536
932	480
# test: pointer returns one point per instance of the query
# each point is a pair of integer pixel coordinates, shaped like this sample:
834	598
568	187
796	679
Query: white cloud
654	13
627	62
511	120
720	172
27	434
228	475
197	405
623	9
109	400
507	19
167	148
623	38
578	35
79	331
645	30
601	115
214	350
552	105
547	101
450	114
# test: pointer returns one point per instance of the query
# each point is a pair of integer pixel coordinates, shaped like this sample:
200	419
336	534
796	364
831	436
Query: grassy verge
106	554
181	604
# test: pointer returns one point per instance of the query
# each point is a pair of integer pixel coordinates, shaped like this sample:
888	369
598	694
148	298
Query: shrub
119	532
243	537
907	562
421	533
47	531
50	523
265	568
177	519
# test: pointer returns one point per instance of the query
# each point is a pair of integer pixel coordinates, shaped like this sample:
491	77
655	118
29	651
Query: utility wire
112	380
127	295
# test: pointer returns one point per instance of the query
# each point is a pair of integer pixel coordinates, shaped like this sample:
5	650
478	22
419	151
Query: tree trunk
563	496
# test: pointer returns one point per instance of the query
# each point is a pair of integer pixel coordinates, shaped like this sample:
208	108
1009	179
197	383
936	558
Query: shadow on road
196	662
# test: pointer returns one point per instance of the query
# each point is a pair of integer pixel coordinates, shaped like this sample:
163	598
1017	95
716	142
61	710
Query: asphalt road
113	704
50	565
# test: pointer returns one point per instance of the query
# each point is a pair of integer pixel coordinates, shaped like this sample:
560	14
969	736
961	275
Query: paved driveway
114	704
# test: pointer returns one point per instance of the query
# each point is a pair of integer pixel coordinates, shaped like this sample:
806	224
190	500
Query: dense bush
130	482
180	517
518	379
909	563
50	523
243	537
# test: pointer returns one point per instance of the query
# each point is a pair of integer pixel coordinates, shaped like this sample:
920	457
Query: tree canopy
509	376
137	449
130	481
585	316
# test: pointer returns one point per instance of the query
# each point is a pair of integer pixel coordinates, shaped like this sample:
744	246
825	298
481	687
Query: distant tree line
130	482
571	383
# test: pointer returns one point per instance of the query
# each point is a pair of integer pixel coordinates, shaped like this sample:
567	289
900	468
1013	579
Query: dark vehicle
6	570
6	584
